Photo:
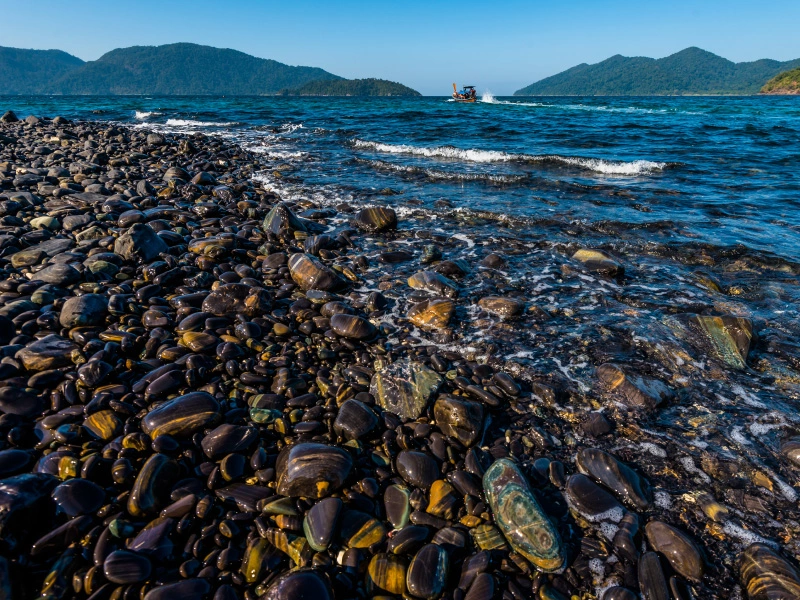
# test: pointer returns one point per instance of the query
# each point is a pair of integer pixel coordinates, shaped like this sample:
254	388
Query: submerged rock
599	262
375	219
677	548
766	575
432	314
726	337
405	388
636	391
520	517
621	479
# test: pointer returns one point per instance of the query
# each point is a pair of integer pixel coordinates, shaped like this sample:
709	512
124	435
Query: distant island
692	71
171	70
784	84
351	87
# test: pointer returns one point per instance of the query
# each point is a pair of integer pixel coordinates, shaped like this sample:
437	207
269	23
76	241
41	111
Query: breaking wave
598	165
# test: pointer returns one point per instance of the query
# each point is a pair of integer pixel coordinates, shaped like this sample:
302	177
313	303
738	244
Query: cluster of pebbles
208	392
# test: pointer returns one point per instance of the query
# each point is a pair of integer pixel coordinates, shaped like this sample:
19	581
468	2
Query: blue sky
500	45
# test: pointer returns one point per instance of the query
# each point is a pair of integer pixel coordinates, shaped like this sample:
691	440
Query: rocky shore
208	391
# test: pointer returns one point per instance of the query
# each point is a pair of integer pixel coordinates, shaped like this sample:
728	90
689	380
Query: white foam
653	449
688	464
662	500
488	98
746	536
598	165
141	115
192	123
609	530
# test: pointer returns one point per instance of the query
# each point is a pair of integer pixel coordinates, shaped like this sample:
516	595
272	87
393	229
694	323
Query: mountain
352	87
690	71
24	71
184	69
784	84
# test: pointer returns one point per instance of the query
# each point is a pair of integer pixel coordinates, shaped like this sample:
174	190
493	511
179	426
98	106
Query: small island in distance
785	84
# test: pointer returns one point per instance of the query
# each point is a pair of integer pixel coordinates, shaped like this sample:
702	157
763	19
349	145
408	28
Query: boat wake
597	165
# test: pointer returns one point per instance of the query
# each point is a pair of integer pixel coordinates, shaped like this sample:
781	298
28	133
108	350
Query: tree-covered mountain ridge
168	70
784	84
692	71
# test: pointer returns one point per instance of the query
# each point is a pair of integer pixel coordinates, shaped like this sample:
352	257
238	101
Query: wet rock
376	219
20	401
312	470
228	438
621	479
459	418
652	582
124	567
152	485
58	274
188	588
635	391
387	573
361	530
417	468
434	283
405	388
79	497
501	306
397	506
281	221
320	523
791	450
766	575
599	262
182	416
21	492
428	572
302	583
432	314
9	117
726	337
353	327
49	352
520	517
310	273
592	501
227	299
354	420
82	311
140	242
677	548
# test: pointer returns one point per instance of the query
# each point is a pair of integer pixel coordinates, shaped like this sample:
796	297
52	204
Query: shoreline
204	345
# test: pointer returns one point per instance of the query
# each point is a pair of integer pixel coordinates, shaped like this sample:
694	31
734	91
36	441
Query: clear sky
499	45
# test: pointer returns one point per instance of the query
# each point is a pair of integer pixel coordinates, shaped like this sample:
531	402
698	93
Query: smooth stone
124	567
728	338
81	311
281	220
79	497
320	523
791	450
417	468
228	438
405	388
409	539
14	461
311	470
599	262
591	501
619	478
227	299
354	420
182	416
433	282
103	425
188	589
20	492
353	327
397	506
49	352
310	273
360	530
58	274
21	401
152	485
520	517
619	593
140	242
428	572
301	584
387	573
375	219
766	575
432	314
681	552
501	306
635	391
652	582
459	418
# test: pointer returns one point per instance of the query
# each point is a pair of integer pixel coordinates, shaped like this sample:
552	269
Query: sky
498	46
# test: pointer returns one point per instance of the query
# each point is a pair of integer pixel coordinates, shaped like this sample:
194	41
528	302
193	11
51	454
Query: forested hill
785	84
690	71
352	87
171	70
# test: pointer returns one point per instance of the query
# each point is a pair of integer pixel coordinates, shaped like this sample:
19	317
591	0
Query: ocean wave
488	98
141	115
598	165
192	123
439	175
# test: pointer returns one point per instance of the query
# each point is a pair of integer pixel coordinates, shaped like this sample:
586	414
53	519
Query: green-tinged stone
520	518
281	506
396	503
387	573
320	522
360	530
264	415
405	388
255	558
726	337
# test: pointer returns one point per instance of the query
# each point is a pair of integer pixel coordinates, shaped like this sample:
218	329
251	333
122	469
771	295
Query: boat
467	94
